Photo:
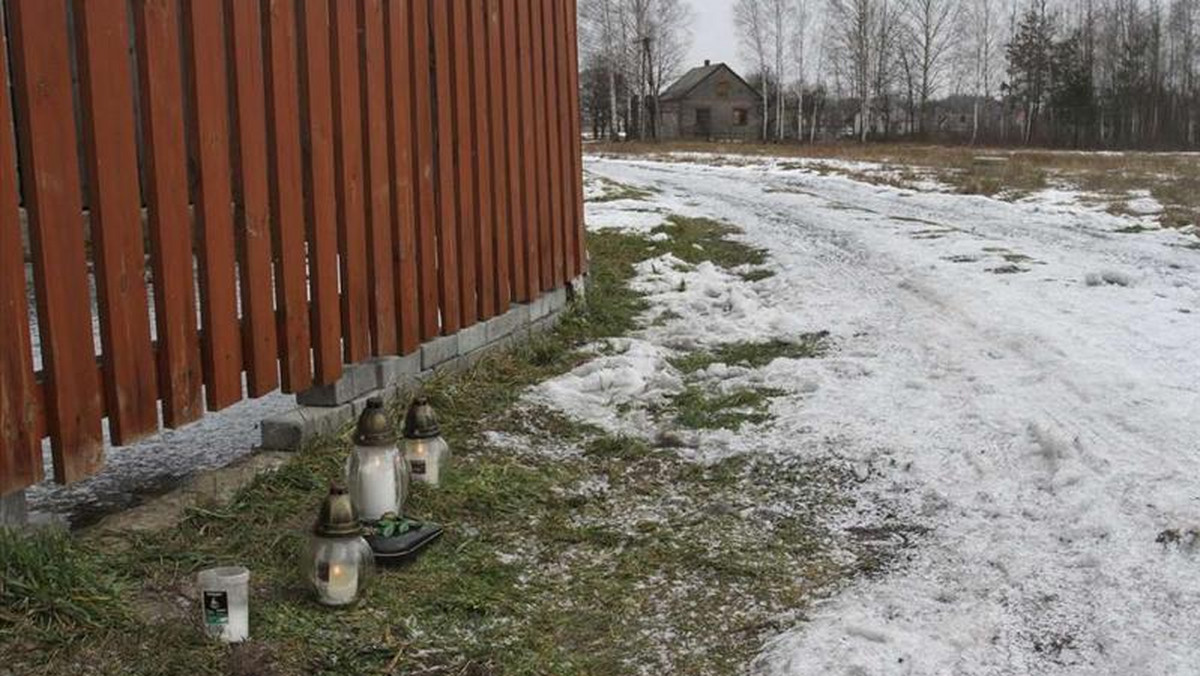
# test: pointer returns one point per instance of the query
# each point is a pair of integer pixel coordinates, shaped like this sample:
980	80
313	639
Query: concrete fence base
12	509
326	409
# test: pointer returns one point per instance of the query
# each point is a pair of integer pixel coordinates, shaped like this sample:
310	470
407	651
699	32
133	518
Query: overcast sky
712	33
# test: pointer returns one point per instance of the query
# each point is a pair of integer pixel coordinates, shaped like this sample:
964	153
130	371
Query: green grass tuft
52	584
614	191
757	274
755	355
697	409
695	240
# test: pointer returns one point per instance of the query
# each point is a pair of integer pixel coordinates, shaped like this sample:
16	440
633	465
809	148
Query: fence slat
208	123
53	198
248	134
348	179
166	195
109	128
554	140
545	187
518	216
424	153
527	119
287	194
566	149
316	88
467	199
448	195
496	97
20	440
372	26
411	160
485	267
578	250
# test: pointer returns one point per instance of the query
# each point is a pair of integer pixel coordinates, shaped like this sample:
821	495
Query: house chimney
707	63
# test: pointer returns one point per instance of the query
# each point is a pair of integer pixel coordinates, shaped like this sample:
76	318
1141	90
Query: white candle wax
342	587
378	482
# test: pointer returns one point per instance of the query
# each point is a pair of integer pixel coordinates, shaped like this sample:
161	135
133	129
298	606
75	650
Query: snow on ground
1023	376
155	464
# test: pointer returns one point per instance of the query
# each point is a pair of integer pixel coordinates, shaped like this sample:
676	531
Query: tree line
1070	73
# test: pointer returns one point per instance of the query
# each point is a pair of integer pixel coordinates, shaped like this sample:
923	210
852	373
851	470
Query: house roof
692	79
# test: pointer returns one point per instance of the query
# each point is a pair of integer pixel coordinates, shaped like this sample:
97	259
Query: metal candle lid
337	517
421	422
374	426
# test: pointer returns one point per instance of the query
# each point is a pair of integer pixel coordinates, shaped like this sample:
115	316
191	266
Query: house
711	102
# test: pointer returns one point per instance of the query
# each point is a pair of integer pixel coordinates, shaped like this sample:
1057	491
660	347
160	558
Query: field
1108	179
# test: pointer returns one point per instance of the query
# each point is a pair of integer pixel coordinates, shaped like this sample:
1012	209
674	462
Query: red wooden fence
259	191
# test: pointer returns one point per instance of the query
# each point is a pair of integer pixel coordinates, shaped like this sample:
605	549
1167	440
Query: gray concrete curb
12	509
327	409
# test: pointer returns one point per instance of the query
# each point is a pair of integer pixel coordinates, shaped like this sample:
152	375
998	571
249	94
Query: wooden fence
260	191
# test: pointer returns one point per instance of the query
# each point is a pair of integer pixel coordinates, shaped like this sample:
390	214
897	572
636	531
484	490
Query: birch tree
798	37
780	16
930	25
751	19
980	51
601	27
852	23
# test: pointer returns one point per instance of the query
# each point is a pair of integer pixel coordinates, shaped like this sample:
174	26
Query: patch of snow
156	463
712	305
1142	204
1113	277
614	390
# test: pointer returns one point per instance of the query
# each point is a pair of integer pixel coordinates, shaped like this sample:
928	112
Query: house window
723	89
741	117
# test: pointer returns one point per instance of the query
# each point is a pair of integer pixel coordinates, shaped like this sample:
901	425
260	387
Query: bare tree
856	31
671	39
601	26
798	38
640	44
980	52
929	26
751	18
780	19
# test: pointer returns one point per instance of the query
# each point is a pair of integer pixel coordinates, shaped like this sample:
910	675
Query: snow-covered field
1019	377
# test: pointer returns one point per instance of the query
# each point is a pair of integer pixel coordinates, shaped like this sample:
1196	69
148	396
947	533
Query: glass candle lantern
376	471
225	602
427	452
339	562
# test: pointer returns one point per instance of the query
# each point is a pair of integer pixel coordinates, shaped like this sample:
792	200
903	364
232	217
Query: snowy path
1046	429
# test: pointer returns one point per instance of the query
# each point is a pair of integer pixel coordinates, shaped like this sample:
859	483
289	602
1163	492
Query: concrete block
13	510
291	430
538	308
438	351
356	380
502	325
472	338
393	371
556	300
